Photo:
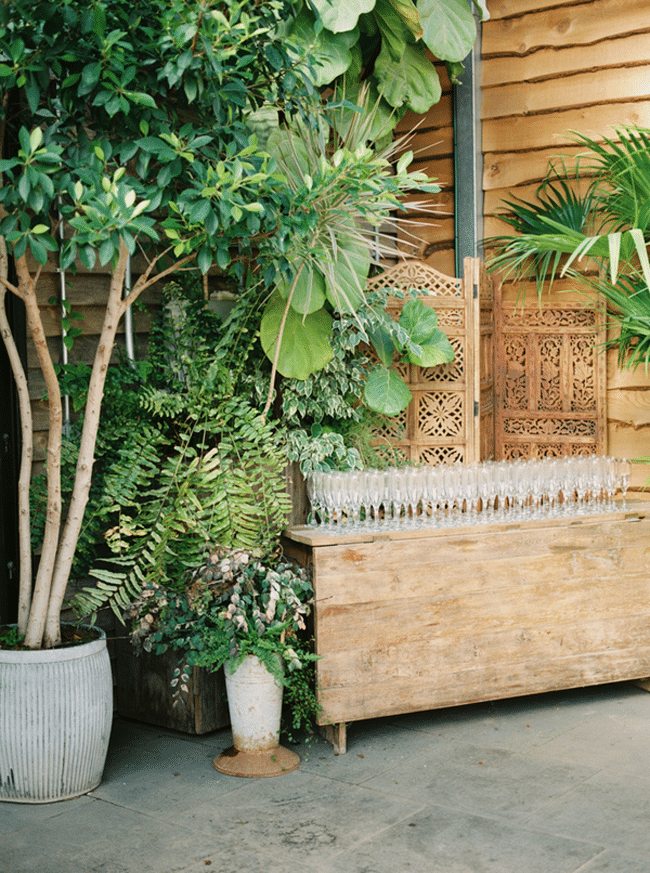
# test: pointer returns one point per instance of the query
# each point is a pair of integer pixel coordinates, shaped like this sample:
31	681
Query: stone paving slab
555	783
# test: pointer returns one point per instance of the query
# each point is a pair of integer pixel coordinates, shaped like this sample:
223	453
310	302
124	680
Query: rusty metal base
269	762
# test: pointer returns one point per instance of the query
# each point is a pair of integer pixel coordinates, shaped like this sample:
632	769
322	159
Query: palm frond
546	229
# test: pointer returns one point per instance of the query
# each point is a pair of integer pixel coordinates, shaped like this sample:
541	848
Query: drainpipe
468	159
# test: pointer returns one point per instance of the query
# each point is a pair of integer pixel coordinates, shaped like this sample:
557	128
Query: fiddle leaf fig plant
391	42
415	338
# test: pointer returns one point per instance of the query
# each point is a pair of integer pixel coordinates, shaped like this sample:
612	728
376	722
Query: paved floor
556	783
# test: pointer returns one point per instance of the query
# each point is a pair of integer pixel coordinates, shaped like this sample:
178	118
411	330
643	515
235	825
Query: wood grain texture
549	63
569	24
418	620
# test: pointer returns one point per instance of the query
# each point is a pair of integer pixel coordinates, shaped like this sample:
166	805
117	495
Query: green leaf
419	320
386	393
329	52
347	271
106	251
435	350
308	292
38	250
200	211
406	10
304	341
341	15
448	28
204	259
393	28
411	81
90	77
382	343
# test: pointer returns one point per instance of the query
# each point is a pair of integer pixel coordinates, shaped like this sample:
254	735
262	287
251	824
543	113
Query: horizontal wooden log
620	377
438	169
91	323
439	204
569	24
416	660
429	143
510	8
427	231
631	407
595	87
486	681
555	63
87	290
553	130
624	441
442	259
518	169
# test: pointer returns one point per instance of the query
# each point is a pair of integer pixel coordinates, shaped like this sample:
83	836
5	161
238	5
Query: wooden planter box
416	620
144	692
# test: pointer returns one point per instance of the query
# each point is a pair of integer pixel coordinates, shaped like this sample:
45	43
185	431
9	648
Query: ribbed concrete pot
56	710
255	706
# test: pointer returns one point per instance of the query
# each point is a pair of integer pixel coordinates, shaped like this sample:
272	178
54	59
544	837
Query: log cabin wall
87	292
549	67
432	141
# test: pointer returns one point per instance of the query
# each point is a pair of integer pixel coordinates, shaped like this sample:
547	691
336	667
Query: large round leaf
386	393
448	28
419	320
436	350
304	341
329	52
308	293
290	152
412	80
341	15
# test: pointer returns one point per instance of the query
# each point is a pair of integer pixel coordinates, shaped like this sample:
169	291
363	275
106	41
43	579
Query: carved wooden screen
451	417
550	380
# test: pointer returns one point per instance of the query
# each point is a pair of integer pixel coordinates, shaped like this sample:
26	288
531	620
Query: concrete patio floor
555	783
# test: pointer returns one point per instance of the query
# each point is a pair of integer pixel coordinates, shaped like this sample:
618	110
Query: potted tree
117	136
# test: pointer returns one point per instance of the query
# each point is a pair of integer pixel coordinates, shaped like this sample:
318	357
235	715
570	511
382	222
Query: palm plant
609	222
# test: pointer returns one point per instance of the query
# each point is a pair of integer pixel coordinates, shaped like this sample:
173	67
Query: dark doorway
9	466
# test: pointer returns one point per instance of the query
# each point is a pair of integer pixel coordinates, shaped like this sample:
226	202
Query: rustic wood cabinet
420	619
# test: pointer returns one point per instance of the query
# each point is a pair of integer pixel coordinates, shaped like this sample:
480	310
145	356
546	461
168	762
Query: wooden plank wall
87	292
432	140
550	67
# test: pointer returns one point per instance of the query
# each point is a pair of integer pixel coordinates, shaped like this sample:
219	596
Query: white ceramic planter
255	705
56	710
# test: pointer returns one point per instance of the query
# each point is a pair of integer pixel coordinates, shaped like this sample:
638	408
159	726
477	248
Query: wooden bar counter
413	620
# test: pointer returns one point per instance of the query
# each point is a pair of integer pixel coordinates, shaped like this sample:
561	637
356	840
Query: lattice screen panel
551	381
452	404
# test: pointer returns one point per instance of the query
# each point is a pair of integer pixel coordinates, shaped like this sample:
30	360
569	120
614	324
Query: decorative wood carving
451	417
550	380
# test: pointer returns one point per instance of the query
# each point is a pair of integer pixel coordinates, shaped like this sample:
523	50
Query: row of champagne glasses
454	494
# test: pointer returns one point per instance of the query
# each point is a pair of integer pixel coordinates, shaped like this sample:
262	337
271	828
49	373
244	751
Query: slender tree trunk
26	451
38	611
83	474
